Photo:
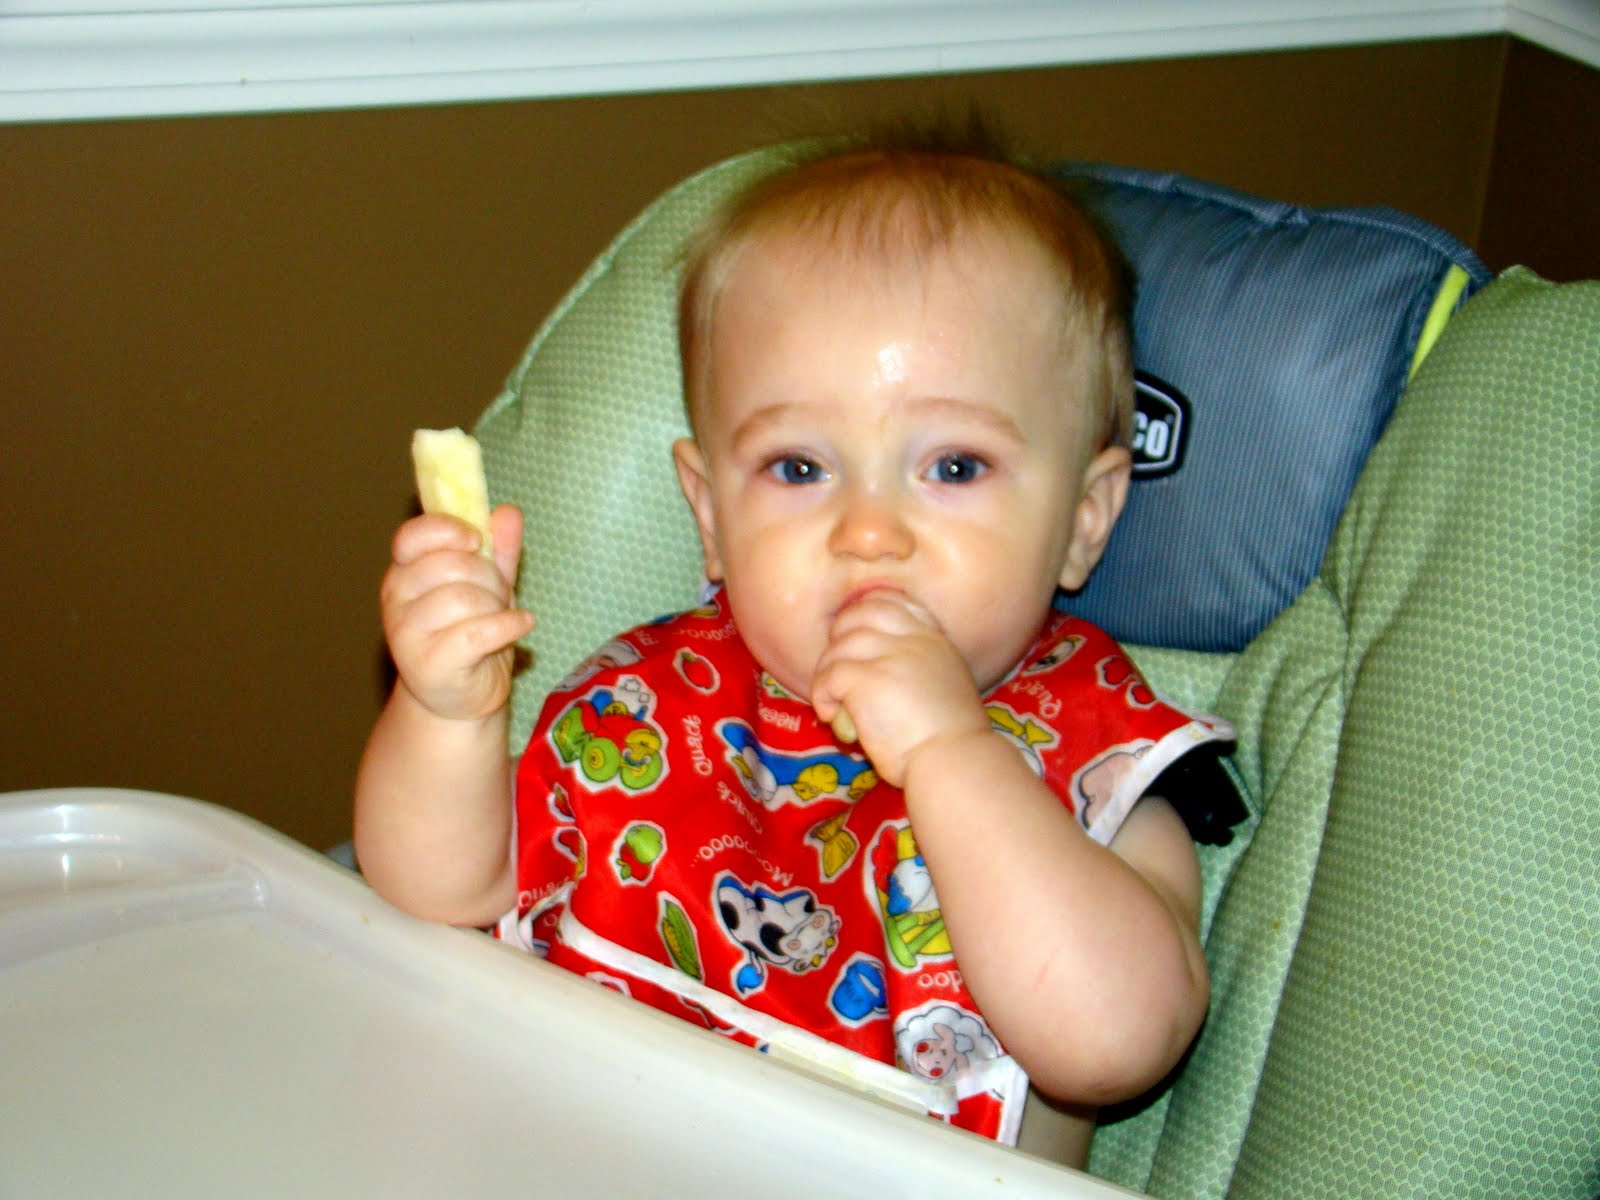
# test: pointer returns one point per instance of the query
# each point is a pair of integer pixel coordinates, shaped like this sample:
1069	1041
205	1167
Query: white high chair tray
193	1005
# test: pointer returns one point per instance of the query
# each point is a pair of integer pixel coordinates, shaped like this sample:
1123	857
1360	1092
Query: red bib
691	835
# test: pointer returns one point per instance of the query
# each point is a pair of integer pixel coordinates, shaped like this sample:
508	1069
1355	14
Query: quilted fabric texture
1439	1033
1283	694
1405	964
580	438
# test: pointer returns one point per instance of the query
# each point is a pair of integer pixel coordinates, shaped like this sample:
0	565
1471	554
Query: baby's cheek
785	647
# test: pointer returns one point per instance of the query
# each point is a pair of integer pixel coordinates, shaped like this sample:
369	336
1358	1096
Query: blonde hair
908	191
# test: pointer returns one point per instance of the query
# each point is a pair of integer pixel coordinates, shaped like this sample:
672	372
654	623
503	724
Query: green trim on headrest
1444	305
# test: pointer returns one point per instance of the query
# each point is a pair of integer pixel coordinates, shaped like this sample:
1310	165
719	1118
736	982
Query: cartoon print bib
691	835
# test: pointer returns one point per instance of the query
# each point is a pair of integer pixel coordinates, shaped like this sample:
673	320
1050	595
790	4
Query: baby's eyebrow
763	420
952	408
975	412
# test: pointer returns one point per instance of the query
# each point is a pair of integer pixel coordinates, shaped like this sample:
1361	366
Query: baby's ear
695	480
1105	491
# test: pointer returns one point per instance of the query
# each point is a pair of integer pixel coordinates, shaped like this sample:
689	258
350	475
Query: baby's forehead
976	260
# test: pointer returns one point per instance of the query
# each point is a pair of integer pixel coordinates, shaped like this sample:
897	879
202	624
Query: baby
907	370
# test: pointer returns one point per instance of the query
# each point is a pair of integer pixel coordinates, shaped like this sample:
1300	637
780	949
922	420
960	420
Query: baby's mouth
862	590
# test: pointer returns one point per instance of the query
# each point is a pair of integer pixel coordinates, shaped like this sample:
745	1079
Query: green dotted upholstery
1439	1028
1406	972
1406	982
580	439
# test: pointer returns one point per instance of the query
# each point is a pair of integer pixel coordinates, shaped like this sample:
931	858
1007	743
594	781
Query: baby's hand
447	613
902	681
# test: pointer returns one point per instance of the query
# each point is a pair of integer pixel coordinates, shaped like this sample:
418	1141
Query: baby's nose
870	527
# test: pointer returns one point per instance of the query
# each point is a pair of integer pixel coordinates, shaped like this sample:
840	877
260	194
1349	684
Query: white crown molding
1569	27
80	59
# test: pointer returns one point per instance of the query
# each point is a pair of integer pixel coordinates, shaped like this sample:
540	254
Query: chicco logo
1160	426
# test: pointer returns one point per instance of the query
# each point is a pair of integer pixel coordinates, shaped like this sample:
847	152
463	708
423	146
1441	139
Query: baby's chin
793	684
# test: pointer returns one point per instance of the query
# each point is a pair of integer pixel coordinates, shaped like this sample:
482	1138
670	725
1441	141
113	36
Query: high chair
1365	528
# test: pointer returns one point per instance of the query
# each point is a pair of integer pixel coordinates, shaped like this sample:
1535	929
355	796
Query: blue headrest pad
1287	334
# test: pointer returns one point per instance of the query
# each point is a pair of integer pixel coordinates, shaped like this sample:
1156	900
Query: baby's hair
908	189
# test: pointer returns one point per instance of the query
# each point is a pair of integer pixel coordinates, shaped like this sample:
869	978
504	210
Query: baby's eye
956	468
796	468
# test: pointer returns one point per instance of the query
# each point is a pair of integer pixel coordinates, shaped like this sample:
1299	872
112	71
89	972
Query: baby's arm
433	795
1085	960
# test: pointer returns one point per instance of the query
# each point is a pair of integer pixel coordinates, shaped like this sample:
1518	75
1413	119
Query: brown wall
216	335
1542	200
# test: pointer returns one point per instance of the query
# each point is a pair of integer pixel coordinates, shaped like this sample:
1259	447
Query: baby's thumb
505	528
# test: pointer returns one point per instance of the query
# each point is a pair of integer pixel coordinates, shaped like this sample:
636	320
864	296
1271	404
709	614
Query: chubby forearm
1086	964
433	813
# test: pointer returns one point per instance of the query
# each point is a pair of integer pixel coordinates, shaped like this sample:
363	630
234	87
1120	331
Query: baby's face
922	429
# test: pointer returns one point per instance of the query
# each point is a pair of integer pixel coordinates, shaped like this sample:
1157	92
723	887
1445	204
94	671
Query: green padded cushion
1405	962
1439	1033
1282	694
581	439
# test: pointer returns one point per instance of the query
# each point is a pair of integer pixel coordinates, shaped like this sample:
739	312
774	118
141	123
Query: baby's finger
432	532
447	604
886	611
483	636
406	583
449	631
867	638
463	670
830	690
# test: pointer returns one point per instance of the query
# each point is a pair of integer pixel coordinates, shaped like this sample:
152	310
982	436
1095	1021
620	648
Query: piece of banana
843	727
449	466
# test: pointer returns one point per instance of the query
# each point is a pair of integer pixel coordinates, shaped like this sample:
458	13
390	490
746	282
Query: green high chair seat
1403	935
